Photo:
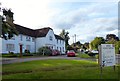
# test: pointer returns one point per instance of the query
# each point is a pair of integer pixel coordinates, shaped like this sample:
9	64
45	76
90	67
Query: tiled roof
25	31
42	32
33	33
58	37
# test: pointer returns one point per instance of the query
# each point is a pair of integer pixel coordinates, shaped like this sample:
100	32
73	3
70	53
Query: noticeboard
107	55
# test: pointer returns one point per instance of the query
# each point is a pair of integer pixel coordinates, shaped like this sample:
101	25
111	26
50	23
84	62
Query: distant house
32	40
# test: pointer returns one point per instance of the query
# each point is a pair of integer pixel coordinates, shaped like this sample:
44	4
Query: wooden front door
20	50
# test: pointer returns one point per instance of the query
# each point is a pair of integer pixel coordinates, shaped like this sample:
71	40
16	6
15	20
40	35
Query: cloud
88	21
32	13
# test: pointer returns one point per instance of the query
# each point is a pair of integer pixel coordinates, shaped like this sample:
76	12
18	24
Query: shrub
27	51
44	51
11	53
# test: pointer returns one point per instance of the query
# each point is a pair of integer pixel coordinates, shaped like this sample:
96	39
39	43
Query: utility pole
75	38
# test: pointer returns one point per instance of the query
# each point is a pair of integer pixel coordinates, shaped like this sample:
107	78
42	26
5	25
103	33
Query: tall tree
8	27
62	34
117	47
96	42
110	37
77	44
65	36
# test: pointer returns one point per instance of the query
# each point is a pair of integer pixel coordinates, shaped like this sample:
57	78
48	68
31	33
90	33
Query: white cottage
32	40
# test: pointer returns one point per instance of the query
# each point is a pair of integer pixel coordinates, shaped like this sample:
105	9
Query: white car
94	51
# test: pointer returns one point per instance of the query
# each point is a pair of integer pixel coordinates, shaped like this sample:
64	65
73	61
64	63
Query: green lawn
57	69
83	55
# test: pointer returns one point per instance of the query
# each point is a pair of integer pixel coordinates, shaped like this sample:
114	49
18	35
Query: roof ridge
32	32
24	27
44	28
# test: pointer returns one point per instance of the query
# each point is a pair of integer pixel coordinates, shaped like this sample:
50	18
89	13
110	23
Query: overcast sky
86	19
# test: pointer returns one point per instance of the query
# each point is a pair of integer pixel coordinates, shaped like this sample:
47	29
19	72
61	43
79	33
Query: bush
27	51
9	55
44	51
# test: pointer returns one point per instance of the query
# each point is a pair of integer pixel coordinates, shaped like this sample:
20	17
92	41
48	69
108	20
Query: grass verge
57	69
83	55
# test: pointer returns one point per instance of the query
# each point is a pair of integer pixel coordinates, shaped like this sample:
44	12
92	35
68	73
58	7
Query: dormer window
51	38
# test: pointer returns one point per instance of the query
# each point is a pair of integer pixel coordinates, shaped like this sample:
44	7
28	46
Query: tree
62	34
117	47
112	41
77	44
65	36
96	42
8	27
86	45
110	37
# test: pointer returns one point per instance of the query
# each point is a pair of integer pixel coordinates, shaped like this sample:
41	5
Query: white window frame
50	38
21	37
10	47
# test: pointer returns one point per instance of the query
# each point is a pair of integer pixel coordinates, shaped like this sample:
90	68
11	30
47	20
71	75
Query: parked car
87	51
71	53
55	52
94	51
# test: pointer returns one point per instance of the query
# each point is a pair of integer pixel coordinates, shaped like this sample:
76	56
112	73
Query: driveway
18	60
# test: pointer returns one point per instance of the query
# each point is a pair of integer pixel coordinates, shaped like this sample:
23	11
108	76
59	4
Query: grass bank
83	55
57	69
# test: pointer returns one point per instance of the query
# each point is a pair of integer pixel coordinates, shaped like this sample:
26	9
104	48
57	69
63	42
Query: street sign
107	55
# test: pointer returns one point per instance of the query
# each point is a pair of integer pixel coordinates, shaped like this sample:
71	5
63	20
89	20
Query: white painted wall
16	43
60	45
39	42
45	41
24	43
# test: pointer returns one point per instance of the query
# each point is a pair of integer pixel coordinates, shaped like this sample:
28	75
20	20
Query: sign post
106	56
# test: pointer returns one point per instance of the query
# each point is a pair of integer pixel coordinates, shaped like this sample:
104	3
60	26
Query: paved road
18	60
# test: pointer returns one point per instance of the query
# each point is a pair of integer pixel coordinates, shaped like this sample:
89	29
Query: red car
71	53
